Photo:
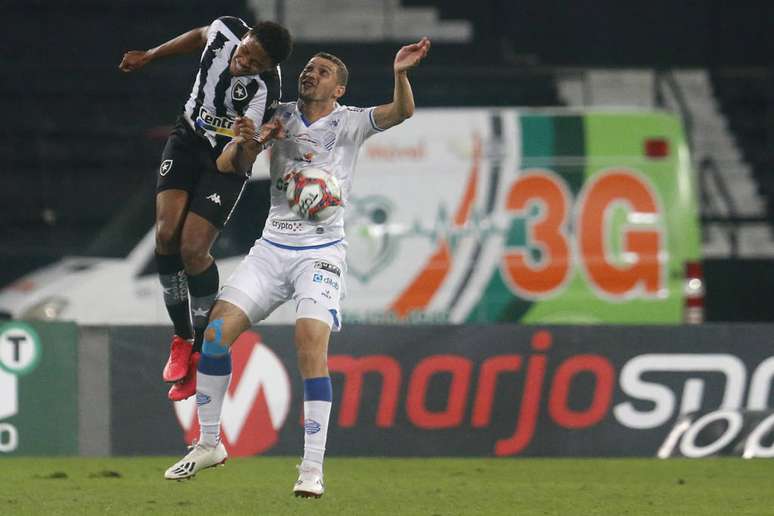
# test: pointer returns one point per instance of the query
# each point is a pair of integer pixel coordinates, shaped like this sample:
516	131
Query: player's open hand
134	60
410	55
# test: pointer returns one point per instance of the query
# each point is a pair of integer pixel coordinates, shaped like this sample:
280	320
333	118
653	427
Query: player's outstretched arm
188	42
402	105
239	155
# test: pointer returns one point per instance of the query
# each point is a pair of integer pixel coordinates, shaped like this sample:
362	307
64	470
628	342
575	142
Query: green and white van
536	216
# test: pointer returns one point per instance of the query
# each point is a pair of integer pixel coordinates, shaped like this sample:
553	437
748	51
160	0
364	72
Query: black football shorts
188	163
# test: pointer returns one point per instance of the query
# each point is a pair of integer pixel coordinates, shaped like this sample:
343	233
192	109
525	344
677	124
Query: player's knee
312	331
167	238
214	344
194	254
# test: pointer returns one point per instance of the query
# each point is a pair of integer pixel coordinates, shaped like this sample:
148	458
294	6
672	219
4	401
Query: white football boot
199	458
310	482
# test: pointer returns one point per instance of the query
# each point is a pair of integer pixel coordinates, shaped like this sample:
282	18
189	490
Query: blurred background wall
81	140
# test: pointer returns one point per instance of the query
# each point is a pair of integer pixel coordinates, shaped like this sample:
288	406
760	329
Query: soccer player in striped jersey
238	81
295	258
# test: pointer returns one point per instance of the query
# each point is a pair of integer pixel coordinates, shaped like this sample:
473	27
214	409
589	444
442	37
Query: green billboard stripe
537	136
515	310
569	140
556	143
498	303
570	151
517	233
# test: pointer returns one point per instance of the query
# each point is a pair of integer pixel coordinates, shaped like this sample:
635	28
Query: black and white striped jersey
218	97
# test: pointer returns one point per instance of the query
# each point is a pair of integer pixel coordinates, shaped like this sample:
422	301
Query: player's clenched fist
244	129
134	60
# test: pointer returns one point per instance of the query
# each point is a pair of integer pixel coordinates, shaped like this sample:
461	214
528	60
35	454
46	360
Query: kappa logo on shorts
239	92
165	167
327	267
214	197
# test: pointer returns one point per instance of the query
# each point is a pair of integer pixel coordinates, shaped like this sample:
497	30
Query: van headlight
48	309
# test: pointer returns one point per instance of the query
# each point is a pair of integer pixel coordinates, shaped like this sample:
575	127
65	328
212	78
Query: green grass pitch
262	485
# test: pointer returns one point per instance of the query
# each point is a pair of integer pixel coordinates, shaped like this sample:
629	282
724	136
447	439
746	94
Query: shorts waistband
303	247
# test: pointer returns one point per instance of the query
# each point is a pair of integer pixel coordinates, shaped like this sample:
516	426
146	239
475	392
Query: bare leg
196	241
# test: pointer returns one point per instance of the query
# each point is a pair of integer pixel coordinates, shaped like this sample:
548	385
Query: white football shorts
273	273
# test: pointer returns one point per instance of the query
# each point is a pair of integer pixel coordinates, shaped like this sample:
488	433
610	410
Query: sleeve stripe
373	123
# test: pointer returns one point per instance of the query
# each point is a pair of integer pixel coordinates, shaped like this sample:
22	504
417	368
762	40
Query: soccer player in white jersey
295	258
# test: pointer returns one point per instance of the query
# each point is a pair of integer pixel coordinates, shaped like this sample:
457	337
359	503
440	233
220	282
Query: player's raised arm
240	153
402	105
188	42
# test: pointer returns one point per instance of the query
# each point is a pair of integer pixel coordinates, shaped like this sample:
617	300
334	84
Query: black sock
204	288
175	284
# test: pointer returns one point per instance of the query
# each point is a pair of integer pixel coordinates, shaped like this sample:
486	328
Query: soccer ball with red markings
313	194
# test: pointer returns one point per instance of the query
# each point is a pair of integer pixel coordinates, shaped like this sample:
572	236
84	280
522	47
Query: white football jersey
332	144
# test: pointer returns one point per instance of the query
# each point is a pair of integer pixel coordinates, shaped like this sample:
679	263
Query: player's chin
236	70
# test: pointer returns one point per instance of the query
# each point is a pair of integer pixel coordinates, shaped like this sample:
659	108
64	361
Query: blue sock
318	389
317	410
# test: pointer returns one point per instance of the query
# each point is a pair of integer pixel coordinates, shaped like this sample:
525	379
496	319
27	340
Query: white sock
210	392
316	415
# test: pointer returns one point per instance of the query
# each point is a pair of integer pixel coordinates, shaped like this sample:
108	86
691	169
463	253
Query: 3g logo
620	265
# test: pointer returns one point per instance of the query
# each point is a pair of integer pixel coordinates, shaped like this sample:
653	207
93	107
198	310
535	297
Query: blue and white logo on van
165	167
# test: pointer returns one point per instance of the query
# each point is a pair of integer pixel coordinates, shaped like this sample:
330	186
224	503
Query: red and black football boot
179	358
186	387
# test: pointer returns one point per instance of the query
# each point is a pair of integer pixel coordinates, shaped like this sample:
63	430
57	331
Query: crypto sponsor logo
256	404
286	226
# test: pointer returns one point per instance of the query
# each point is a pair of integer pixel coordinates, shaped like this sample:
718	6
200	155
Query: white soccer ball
313	193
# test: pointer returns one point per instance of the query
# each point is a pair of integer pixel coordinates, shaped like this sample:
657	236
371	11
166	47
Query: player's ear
339	91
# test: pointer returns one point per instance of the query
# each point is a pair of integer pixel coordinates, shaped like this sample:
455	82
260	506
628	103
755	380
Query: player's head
324	77
261	49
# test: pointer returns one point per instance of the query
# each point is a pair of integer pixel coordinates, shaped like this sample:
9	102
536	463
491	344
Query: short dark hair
342	74
275	40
